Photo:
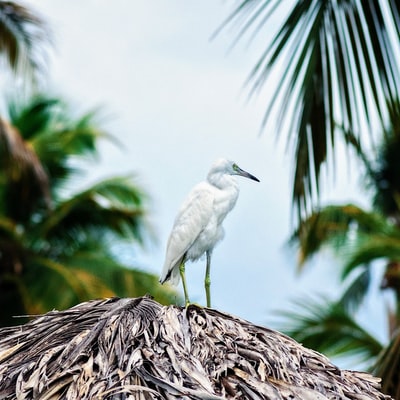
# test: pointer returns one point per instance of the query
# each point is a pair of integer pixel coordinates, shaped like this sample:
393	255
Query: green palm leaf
24	38
55	135
327	327
338	63
334	225
59	285
9	229
55	257
89	273
123	281
356	290
371	248
358	236
113	205
35	115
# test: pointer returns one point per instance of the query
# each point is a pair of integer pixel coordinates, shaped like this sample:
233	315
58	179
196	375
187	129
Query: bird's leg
207	279
182	272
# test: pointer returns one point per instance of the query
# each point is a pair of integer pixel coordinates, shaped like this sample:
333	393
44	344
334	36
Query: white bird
198	225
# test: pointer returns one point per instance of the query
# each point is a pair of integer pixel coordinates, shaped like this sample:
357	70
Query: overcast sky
176	101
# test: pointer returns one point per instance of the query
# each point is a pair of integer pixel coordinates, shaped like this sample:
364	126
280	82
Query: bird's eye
235	167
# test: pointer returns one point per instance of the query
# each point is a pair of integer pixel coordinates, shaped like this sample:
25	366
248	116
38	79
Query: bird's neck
226	195
223	181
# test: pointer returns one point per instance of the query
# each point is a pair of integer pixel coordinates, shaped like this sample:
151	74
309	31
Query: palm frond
113	205
339	66
47	283
327	327
8	228
42	118
334	225
136	348
35	115
24	38
54	257
356	290
21	168
59	285
55	135
79	137
124	281
371	248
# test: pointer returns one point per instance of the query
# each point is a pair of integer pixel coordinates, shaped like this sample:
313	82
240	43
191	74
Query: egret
198	225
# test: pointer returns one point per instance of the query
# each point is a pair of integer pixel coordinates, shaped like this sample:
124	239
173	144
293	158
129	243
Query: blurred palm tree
361	238
24	39
56	245
339	69
338	63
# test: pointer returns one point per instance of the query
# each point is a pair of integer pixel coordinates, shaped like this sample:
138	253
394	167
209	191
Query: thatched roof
138	349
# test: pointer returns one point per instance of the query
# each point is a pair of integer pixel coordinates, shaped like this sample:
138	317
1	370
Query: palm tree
361	238
338	64
135	348
24	39
57	246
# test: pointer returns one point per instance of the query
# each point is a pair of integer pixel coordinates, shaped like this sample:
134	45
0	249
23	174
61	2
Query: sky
176	101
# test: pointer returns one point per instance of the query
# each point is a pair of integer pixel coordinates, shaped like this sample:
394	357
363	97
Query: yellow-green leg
182	272
207	279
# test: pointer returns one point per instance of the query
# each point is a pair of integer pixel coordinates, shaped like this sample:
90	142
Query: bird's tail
171	274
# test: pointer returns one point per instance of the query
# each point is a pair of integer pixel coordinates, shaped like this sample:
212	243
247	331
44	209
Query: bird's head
226	167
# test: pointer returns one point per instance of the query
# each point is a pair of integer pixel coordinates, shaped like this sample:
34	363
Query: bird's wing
192	218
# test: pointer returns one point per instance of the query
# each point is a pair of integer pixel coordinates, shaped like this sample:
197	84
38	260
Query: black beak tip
252	177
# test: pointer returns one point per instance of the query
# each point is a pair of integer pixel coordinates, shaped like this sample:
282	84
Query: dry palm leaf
138	349
20	162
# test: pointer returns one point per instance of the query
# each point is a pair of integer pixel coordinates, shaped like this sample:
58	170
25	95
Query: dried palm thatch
138	349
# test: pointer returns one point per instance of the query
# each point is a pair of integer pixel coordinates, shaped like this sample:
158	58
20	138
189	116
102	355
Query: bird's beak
245	174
